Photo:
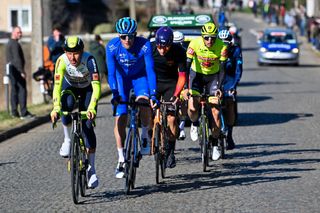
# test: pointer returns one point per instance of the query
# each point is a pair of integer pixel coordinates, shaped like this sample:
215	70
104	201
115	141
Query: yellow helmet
209	29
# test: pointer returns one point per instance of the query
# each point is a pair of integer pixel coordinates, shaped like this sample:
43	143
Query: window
20	16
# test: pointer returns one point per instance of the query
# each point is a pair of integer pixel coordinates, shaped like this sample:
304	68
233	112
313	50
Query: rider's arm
151	76
238	60
95	83
223	60
182	72
58	77
190	55
112	80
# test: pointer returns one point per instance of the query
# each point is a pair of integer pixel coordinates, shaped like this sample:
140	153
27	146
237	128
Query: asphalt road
274	168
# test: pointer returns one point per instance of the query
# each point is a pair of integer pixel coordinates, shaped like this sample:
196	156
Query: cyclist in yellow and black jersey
76	74
205	61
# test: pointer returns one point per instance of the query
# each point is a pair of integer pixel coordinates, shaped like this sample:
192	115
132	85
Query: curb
32	124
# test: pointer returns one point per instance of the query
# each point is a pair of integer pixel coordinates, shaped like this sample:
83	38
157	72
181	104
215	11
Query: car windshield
279	38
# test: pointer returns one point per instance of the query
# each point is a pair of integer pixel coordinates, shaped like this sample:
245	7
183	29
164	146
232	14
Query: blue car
278	46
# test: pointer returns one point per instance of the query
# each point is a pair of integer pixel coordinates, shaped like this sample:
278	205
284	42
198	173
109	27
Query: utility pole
158	7
132	8
36	48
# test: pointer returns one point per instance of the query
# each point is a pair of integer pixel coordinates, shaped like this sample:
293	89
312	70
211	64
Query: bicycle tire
74	168
128	163
222	143
135	159
83	171
157	156
204	144
163	162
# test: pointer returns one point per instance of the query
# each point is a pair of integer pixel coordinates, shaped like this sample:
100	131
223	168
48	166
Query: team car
190	24
278	46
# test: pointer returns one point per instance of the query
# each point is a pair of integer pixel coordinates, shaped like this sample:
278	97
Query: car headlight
295	50
263	50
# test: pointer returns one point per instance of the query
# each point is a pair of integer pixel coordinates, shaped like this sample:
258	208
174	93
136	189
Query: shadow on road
260	118
252	98
3	164
258	83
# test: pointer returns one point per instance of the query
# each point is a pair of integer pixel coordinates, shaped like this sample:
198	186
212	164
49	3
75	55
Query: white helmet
178	37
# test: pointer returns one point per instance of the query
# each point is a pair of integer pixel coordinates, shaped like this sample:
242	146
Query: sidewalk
38	120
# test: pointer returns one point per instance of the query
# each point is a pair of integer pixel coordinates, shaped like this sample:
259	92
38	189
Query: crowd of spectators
295	18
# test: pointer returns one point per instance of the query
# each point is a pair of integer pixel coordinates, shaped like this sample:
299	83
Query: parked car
278	46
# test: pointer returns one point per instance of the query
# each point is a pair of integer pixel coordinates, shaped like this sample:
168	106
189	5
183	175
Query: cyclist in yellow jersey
205	61
76	75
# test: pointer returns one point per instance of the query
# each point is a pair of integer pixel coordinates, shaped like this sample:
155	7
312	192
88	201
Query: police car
278	46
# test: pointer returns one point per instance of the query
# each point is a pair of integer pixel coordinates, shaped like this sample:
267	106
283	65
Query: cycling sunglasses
209	37
129	36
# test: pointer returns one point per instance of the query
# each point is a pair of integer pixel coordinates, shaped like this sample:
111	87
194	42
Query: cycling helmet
209	29
164	36
126	25
73	44
225	35
178	37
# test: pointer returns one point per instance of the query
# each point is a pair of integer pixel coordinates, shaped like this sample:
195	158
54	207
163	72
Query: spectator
98	51
55	43
15	58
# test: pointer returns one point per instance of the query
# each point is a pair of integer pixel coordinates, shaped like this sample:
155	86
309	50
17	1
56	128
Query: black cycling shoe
171	161
230	144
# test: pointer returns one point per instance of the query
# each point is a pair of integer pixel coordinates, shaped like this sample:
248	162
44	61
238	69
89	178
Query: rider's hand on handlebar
154	102
91	114
185	93
54	115
218	93
115	100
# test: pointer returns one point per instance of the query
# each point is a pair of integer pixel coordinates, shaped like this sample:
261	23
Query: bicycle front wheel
129	162
157	155
204	144
84	162
74	166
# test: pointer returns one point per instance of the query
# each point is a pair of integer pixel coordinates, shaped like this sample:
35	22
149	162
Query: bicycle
204	131
160	139
132	154
78	158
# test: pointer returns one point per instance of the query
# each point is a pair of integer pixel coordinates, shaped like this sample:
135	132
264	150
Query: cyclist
170	66
233	74
206	56
178	38
130	65
76	75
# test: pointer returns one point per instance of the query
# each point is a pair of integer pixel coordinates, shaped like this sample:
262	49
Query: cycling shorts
199	80
138	83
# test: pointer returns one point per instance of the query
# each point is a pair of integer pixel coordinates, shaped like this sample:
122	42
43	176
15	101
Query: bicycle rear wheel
74	166
222	143
157	155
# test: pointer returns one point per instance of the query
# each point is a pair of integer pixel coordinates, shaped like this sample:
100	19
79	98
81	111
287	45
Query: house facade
15	12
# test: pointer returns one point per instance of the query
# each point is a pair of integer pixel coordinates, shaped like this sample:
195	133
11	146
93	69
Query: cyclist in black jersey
170	68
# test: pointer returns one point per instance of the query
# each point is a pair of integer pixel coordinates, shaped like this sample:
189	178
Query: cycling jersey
128	64
82	76
168	66
233	67
206	60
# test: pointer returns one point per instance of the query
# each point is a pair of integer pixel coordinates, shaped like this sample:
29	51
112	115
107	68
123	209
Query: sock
144	133
91	162
120	154
66	131
181	125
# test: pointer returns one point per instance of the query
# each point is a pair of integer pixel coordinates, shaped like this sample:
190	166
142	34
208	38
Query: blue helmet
126	25
225	35
164	36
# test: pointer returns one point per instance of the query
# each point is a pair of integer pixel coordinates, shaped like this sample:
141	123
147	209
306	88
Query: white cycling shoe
93	181
194	133
182	135
216	153
120	170
65	148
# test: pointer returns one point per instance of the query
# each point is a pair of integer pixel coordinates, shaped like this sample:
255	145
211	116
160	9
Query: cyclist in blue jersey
233	74
130	66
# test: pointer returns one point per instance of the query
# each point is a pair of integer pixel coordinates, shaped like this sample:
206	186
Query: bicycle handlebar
83	115
133	103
